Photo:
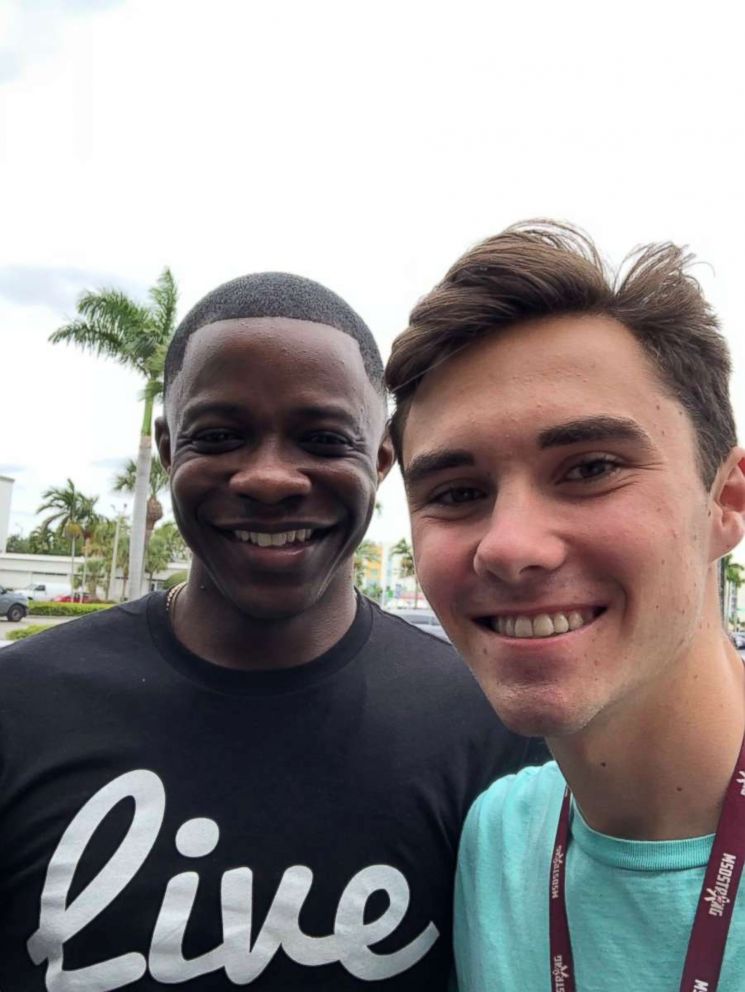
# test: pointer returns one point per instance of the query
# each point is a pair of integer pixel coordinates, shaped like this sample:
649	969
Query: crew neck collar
640	855
268	682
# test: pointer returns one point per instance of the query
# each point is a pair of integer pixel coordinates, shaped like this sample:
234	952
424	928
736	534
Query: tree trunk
153	515
72	572
139	508
85	571
115	549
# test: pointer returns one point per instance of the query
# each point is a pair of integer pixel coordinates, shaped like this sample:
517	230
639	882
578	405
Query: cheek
184	480
442	561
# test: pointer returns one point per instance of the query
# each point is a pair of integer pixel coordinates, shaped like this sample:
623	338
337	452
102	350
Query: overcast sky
365	145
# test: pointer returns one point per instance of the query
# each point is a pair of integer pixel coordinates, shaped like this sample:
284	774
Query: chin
270	610
532	713
265	604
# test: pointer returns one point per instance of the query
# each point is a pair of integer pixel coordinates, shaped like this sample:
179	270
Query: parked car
738	639
13	605
78	597
423	619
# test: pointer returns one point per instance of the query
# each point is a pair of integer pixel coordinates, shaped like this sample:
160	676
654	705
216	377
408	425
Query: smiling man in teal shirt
569	452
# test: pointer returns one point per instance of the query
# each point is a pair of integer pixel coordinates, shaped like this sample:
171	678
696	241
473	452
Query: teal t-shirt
630	903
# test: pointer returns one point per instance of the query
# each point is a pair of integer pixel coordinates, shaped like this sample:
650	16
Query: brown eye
592	468
214	439
457	496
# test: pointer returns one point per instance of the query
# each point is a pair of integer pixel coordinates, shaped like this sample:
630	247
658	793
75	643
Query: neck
218	631
660	769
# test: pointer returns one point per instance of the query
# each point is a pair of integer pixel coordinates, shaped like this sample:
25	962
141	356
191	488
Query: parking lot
6	627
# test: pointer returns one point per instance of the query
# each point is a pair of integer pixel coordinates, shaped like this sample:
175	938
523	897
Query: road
6	627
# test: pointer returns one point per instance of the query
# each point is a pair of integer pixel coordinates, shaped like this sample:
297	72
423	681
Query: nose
522	541
269	475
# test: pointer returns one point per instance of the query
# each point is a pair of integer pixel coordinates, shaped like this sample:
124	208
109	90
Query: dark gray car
13	605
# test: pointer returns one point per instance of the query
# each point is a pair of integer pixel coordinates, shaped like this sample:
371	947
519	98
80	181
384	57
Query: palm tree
126	481
403	551
170	535
112	325
73	515
367	554
95	577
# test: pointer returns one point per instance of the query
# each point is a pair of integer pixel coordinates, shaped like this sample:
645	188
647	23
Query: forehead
275	357
509	387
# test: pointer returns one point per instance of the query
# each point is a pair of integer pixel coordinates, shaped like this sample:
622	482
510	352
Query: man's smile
264	538
541	623
281	544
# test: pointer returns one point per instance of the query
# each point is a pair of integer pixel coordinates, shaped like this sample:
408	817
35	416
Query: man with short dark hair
259	779
569	453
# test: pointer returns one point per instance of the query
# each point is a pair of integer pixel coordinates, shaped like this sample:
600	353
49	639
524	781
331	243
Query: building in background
6	492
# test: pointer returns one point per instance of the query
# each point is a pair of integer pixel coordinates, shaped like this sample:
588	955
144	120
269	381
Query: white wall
6	492
18	571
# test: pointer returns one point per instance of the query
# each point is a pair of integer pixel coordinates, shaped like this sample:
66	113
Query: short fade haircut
547	269
275	294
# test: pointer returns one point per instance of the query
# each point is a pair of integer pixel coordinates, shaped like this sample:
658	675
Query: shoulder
401	653
69	646
516	810
410	641
422	682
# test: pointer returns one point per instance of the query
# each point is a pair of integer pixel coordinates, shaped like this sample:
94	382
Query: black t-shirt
166	821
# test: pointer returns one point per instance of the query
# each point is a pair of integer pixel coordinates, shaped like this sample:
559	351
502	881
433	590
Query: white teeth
523	627
265	540
575	620
541	625
560	622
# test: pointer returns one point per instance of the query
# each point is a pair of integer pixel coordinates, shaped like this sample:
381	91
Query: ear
163	442
728	510
386	457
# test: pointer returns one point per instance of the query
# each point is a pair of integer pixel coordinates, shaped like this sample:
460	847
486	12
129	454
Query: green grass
33	628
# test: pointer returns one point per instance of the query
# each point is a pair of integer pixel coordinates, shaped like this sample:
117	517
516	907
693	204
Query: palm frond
110	325
124	481
113	311
164	295
88	337
153	390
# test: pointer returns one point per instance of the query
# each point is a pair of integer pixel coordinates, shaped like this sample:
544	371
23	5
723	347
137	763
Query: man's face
274	450
561	529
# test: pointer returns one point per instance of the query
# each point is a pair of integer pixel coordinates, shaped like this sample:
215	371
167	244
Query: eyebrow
432	462
571	432
593	429
237	411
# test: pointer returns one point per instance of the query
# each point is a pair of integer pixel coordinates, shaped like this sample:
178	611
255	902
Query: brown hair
543	269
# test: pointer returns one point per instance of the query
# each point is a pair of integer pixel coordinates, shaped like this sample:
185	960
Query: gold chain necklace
172	596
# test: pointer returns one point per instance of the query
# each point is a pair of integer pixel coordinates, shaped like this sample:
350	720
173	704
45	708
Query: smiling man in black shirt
259	780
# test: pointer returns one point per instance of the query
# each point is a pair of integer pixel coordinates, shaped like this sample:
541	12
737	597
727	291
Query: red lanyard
715	904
